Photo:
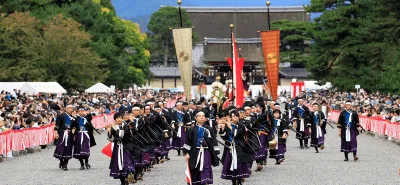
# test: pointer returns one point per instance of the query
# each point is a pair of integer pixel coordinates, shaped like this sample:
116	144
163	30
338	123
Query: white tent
42	87
10	86
99	88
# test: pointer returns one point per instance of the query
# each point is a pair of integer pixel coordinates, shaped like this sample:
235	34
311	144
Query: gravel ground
379	163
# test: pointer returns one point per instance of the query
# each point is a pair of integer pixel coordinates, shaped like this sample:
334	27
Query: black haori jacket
283	128
89	127
322	123
296	116
243	149
342	122
190	145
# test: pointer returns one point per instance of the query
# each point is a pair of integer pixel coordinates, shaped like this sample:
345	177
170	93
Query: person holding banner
301	121
199	151
349	128
64	133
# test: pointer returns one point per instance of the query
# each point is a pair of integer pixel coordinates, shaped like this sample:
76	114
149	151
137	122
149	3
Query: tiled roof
165	72
294	72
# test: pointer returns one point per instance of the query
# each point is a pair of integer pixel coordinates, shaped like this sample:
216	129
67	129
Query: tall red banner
270	45
239	92
236	65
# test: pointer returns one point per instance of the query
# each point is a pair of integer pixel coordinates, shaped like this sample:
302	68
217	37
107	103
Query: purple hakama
64	146
352	145
241	172
178	142
82	146
128	165
205	176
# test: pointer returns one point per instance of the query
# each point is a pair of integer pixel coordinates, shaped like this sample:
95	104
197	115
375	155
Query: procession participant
199	151
289	106
140	143
349	127
235	158
325	109
188	114
178	124
121	164
279	135
251	135
301	119
161	124
152	134
83	138
64	134
277	106
317	129
263	123
89	118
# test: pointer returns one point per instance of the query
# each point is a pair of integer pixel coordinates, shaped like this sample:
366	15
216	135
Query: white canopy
42	87
10	86
99	88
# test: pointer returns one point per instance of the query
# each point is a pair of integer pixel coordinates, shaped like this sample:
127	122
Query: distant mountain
140	11
142	20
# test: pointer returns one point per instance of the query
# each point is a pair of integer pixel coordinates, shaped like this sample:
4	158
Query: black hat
234	112
277	105
157	107
241	110
185	103
81	108
276	110
199	103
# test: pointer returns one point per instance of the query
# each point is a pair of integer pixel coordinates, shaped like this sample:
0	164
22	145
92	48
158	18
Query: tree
295	41
160	36
68	59
356	42
107	34
20	48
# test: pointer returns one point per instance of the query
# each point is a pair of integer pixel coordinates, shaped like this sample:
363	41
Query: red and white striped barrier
17	140
375	125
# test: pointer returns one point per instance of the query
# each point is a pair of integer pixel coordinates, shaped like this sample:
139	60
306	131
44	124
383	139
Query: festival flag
270	45
237	68
183	47
187	172
107	150
296	88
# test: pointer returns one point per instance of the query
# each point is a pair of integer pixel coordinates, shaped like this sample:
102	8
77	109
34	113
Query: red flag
187	172
236	65
107	150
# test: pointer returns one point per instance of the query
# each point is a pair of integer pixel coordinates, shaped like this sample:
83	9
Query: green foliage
68	59
356	42
109	38
55	52
20	49
160	36
295	41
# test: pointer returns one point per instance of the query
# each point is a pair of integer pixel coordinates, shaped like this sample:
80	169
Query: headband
199	113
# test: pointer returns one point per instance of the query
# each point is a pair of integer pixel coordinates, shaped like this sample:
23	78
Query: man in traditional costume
349	128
